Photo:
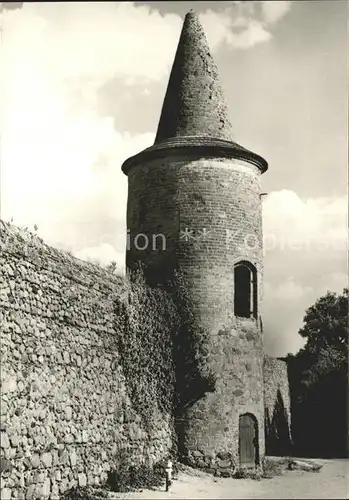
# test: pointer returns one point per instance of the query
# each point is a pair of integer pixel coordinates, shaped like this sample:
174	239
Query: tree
326	330
319	379
326	323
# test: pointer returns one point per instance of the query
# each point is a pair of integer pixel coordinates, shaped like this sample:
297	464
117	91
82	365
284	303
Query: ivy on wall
163	351
194	375
146	321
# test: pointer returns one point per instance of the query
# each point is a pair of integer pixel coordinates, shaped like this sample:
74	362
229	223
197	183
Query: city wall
68	416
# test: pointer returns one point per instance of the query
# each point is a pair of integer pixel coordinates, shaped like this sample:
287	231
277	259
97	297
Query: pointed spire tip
194	103
191	14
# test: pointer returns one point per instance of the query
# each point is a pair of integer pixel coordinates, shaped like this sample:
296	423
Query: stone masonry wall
66	416
277	406
209	210
212	435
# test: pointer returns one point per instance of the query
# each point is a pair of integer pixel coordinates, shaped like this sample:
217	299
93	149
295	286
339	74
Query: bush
86	493
272	468
125	479
134	478
242	473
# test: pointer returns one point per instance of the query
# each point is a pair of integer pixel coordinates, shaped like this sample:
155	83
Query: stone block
225	455
73	458
200	463
226	473
68	413
46	488
63	486
30	493
15	440
6	494
46	459
196	454
35	461
4	440
54	492
82	479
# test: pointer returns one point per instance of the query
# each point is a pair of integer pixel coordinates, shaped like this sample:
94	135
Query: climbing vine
163	350
145	341
194	375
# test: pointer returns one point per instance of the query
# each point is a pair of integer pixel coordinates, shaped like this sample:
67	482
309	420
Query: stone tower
194	206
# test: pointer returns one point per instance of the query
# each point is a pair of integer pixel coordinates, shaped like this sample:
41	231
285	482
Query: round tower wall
208	212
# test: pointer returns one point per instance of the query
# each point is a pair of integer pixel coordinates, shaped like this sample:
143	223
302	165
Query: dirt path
331	482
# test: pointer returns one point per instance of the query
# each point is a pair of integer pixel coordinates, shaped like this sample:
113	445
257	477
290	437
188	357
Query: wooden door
247	440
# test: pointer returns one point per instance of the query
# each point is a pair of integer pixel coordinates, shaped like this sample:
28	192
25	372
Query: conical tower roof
194	118
194	104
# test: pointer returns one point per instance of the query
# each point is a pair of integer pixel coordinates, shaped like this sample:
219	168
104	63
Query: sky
82	87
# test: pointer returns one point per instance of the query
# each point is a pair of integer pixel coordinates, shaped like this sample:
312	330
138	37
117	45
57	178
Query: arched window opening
245	290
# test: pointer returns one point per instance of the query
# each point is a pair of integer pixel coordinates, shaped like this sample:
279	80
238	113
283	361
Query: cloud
219	27
243	25
273	11
285	303
313	225
91	40
60	158
10	6
61	155
284	307
103	254
305	243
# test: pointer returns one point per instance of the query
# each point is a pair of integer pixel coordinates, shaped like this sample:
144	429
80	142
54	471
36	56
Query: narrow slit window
245	290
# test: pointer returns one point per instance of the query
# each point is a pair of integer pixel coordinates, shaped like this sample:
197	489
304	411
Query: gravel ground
332	481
